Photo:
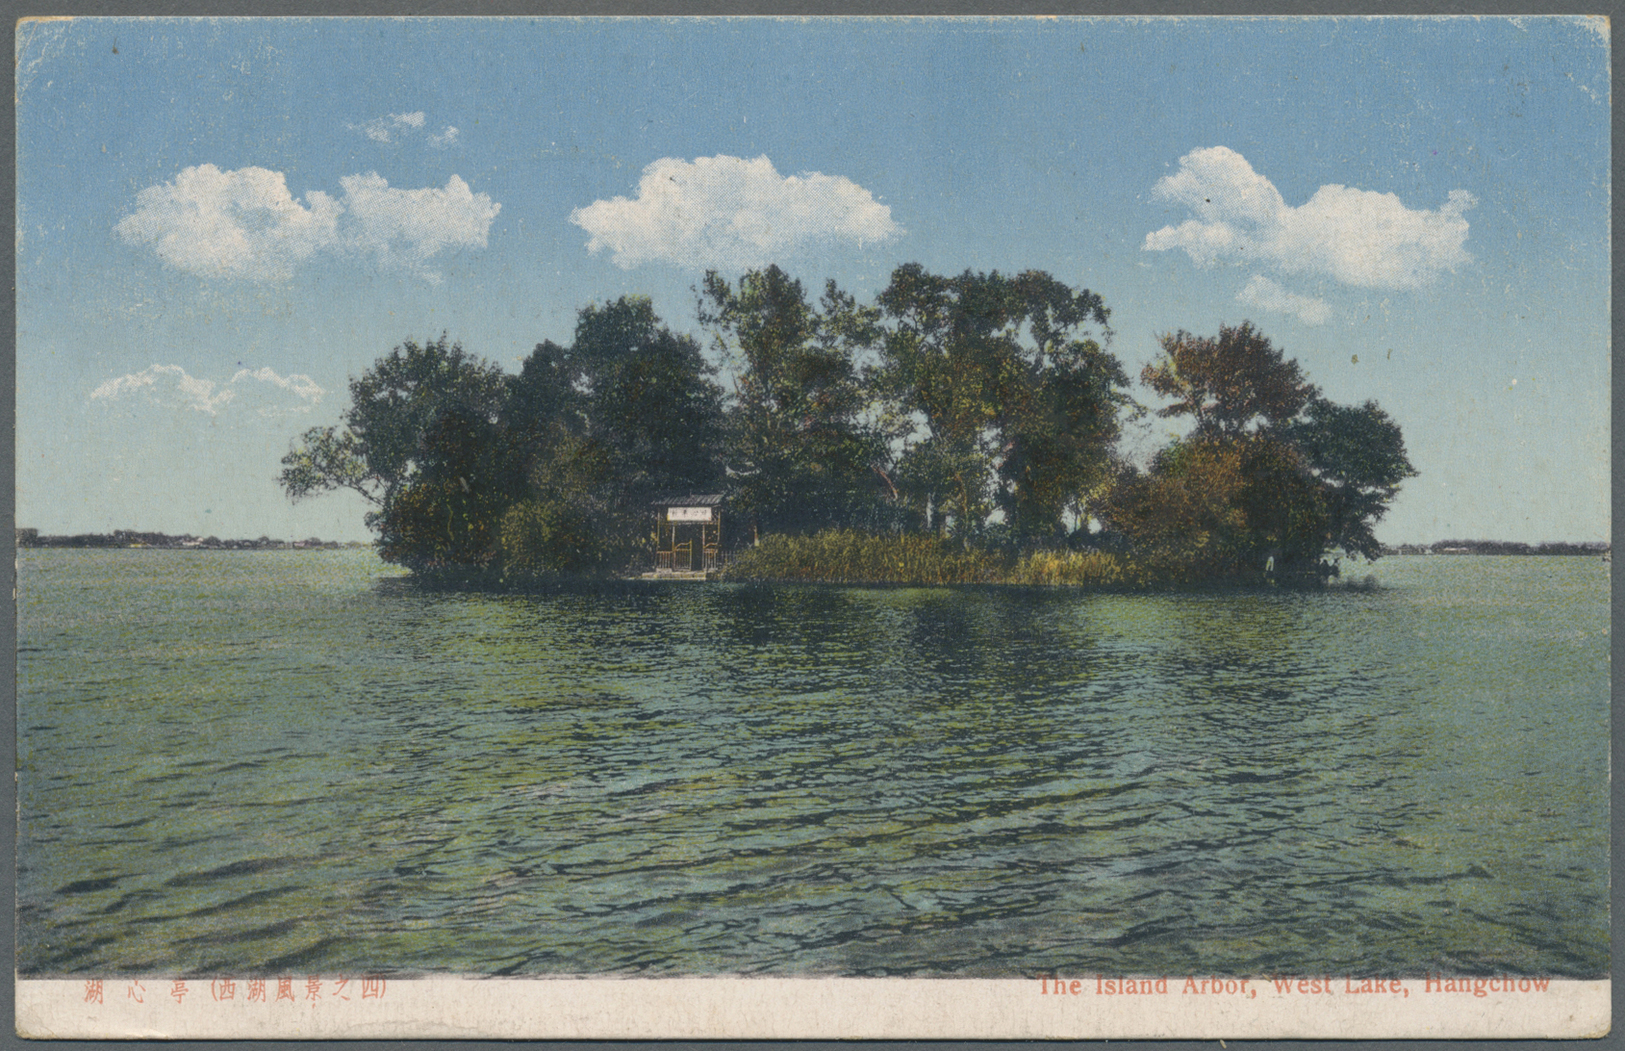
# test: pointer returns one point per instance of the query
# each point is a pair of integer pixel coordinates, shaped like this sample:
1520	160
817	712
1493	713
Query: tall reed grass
1082	569
844	556
849	557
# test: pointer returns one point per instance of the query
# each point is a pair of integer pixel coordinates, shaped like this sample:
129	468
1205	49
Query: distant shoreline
128	538
1499	547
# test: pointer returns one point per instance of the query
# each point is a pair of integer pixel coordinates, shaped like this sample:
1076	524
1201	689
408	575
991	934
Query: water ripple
341	770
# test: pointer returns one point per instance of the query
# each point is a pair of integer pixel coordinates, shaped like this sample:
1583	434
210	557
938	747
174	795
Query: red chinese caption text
245	990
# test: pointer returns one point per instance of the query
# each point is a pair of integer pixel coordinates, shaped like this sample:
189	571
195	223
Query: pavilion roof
689	500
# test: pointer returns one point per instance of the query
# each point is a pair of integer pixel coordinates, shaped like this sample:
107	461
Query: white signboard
688	514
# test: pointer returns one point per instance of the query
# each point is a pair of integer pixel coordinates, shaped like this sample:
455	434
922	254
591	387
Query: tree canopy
1013	406
983	407
801	454
399	408
417	443
1272	472
1358	454
1227	384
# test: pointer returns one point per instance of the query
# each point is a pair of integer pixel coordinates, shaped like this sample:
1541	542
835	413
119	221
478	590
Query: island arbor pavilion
688	533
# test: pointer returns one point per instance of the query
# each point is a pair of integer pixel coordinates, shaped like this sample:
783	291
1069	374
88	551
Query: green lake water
302	762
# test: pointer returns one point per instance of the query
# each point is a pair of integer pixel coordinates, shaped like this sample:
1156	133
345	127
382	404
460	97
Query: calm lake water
301	762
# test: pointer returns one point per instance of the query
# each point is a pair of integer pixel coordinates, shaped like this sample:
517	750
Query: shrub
549	537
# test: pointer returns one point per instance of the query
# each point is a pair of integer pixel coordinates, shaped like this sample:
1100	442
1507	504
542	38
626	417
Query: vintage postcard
837	527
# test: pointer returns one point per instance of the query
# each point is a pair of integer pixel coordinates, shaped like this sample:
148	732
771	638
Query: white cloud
166	385
383	129
1265	294
730	212
261	390
271	395
409	227
403	126
241	223
245	224
1357	237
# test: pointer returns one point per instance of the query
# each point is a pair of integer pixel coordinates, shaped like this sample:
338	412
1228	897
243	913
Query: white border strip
833	1008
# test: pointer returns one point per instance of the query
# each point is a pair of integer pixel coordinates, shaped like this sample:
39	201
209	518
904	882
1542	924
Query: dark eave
691	500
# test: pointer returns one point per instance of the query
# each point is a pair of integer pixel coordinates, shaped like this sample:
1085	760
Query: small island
955	430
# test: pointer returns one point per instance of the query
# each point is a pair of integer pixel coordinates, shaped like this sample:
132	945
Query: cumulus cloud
729	212
261	390
241	223
409	227
1356	237
1265	294
245	224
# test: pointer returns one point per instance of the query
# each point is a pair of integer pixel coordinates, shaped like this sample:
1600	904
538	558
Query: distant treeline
131	538
1498	547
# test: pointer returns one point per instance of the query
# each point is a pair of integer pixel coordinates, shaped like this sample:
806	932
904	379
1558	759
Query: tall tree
626	413
545	427
1019	406
1058	458
1228	384
1358	455
446	516
418	434
1217	507
398	405
800	455
649	398
1271	471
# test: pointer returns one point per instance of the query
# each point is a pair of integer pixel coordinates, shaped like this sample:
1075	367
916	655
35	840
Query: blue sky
221	221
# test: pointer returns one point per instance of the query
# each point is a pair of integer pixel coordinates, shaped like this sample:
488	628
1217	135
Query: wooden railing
680	559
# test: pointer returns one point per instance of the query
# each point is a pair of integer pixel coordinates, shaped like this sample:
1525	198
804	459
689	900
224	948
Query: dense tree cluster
983	409
1270	475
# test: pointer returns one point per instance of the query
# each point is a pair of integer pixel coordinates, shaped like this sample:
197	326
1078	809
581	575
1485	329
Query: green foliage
987	415
838	556
446	515
1273	474
397	406
1095	569
552	536
418	441
1224	507
447	444
325	459
1018	410
1058	460
543	402
648	398
1228	383
1358	454
626	413
800	457
435	524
